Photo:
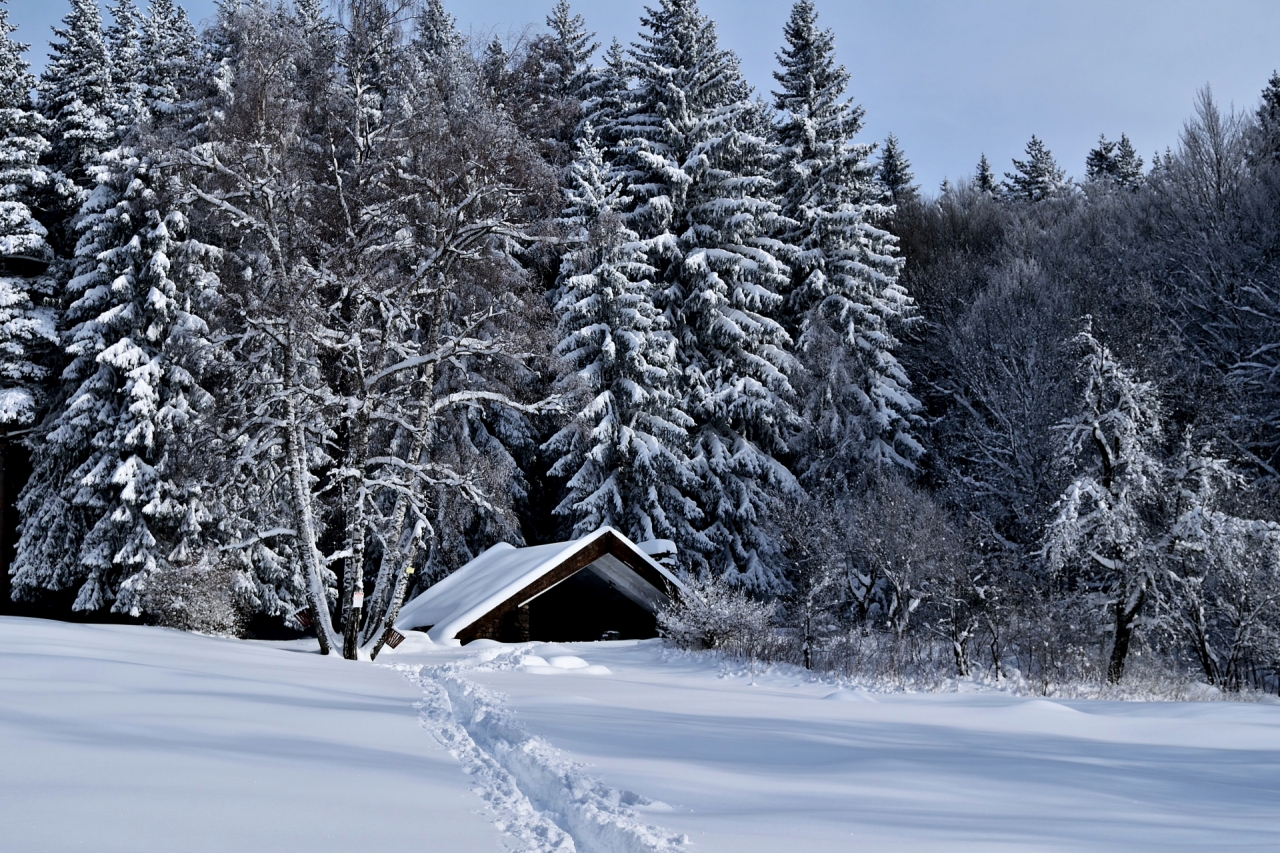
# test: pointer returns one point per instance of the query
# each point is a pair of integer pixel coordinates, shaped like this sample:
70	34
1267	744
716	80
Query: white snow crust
797	763
490	579
148	740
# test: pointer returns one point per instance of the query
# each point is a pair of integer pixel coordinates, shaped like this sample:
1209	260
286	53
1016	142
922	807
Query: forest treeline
304	311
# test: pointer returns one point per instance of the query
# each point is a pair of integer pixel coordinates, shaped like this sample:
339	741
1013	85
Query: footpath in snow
793	764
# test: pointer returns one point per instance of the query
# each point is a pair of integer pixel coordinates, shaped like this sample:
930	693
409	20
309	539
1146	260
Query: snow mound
568	662
1046	705
849	696
556	665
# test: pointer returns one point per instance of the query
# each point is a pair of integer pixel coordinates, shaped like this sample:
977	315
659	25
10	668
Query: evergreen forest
302	312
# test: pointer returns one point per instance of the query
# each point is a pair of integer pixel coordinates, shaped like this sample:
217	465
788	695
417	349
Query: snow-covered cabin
600	586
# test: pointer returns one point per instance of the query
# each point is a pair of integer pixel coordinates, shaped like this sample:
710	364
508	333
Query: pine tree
437	34
1036	178
108	505
78	98
1116	162
624	453
552	80
493	66
985	179
566	54
895	172
124	40
845	305
169	58
27	326
1128	165
1099	162
604	99
700	202
1269	119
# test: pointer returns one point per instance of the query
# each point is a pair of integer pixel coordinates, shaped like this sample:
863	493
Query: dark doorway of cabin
587	607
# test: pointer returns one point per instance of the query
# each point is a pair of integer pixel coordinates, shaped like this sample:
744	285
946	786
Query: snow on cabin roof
501	572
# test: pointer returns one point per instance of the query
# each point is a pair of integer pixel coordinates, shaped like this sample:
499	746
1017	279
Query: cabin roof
497	577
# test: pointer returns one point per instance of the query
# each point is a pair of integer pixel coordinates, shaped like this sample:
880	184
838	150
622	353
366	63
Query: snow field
146	740
798	763
140	739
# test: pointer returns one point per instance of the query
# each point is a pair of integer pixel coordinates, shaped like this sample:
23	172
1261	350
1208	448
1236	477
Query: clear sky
957	78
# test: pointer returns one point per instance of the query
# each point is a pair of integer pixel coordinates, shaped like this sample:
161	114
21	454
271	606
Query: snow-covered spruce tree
108	504
567	70
27	322
624	453
895	172
547	80
169	64
1036	178
124	41
1115	162
77	96
845	304
113	456
1267	144
604	100
493	67
436	37
984	179
701	205
1104	540
374	297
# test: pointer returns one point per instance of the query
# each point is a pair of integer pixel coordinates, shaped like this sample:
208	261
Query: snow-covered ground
790	764
147	740
115	738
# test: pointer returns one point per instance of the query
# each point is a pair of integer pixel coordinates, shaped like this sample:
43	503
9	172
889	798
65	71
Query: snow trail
541	798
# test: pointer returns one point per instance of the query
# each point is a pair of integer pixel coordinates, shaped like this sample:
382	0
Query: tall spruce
1115	162
27	322
846	305
624	453
1268	143
1036	178
124	41
111	501
169	66
566	54
701	203
985	179
604	99
108	505
77	95
895	172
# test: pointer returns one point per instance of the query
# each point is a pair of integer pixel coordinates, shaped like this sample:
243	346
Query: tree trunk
398	564
1127	611
353	594
304	518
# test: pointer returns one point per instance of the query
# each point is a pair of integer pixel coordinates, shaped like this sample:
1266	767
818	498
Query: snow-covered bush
208	597
713	614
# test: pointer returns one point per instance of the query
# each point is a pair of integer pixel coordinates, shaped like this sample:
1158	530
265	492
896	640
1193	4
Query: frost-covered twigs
715	614
374	295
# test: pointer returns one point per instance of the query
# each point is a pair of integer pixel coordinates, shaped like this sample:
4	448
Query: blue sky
957	78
